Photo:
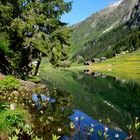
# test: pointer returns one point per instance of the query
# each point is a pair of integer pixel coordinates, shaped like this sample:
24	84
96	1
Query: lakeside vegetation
30	111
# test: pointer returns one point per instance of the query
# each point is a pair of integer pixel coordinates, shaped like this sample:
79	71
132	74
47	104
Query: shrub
9	83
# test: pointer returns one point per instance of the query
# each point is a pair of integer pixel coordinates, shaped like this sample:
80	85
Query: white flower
116	135
106	129
12	106
59	129
76	119
50	118
27	126
137	118
41	112
100	120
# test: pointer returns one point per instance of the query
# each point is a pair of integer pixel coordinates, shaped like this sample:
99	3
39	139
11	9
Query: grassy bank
125	67
124	61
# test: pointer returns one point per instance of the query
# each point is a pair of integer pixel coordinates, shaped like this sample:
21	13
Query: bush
9	84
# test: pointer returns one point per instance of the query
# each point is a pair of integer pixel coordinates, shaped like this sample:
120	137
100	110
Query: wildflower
41	112
76	119
100	133
100	120
105	135
50	118
27	126
92	125
106	129
59	129
82	118
12	106
116	135
137	118
91	130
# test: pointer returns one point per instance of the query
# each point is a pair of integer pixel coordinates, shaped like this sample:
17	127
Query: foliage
34	79
65	63
30	30
34	118
4	43
54	137
11	118
9	84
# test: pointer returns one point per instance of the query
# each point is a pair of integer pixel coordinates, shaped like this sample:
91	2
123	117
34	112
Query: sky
81	9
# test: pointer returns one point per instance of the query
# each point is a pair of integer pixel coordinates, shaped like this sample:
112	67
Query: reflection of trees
123	96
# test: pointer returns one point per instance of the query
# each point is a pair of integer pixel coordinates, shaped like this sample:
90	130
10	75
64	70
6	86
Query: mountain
135	16
108	31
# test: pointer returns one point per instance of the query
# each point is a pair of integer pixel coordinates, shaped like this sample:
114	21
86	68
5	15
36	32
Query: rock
28	84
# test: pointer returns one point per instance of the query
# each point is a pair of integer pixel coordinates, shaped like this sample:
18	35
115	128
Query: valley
61	82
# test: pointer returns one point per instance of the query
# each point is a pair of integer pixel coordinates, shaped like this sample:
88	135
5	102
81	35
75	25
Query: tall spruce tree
32	29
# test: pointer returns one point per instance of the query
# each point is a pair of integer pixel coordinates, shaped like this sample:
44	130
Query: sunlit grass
125	67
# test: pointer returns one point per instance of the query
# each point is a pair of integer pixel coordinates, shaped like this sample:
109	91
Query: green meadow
125	67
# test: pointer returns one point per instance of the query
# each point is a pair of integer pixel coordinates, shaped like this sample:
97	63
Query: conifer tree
32	29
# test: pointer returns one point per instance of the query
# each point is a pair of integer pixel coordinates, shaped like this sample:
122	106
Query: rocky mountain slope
99	27
135	16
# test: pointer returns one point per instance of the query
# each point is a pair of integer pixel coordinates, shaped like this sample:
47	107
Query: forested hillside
108	32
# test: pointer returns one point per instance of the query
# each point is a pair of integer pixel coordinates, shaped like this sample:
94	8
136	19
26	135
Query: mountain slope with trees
108	32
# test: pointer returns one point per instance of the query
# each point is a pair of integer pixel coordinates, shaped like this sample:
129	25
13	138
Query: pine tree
33	30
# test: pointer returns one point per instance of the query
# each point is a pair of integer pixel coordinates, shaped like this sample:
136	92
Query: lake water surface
102	101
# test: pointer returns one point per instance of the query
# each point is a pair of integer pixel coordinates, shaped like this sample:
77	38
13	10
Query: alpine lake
105	103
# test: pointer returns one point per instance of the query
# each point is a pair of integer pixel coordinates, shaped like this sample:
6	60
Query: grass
129	60
124	67
10	119
9	83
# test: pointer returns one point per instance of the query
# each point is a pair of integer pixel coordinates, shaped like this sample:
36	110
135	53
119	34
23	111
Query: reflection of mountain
108	31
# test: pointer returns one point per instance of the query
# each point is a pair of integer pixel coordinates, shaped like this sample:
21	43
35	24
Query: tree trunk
38	64
30	60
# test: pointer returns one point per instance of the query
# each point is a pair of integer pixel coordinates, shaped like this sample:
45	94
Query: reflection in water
92	129
85	126
100	96
95	74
